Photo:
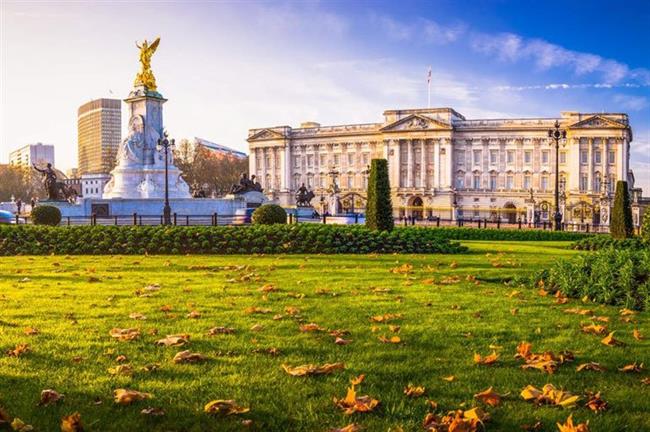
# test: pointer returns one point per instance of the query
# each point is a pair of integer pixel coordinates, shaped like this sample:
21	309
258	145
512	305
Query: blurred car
243	216
7	217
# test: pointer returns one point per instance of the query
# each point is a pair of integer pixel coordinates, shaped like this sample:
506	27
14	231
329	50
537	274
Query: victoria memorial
444	165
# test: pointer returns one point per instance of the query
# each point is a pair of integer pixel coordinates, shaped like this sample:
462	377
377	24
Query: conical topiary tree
621	224
379	210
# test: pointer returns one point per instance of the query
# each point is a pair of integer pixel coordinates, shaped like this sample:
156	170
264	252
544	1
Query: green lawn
74	302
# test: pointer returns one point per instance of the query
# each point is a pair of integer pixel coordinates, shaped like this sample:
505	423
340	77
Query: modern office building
444	165
99	135
39	153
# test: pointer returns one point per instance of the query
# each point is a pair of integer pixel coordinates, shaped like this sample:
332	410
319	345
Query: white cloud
630	102
426	30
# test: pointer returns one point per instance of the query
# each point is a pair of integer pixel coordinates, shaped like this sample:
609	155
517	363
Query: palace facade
444	165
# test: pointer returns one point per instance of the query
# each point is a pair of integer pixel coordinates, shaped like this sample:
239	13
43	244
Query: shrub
645	226
46	215
269	214
610	276
605	241
290	239
379	209
621	224
453	233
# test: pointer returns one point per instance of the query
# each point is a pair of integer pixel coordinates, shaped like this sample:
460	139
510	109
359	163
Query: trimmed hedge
452	233
611	276
46	215
269	214
379	209
621	225
267	239
605	241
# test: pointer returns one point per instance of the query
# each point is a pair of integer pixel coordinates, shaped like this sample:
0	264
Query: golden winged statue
145	76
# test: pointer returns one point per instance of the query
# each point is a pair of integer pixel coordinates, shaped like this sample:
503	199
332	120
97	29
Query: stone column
449	163
590	165
285	160
423	164
409	165
252	163
573	168
436	164
394	162
622	159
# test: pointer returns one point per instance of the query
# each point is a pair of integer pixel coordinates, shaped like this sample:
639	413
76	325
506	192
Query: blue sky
230	66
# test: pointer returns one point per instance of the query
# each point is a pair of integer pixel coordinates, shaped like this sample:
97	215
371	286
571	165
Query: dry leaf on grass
126	334
391	340
127	397
609	340
256	310
311	327
193	314
311	369
121	370
224	407
153	412
385	318
487	360
596	403
189	357
596	329
356	404
220	331
174	340
50	396
352	427
456	421
449	378
341	341
19	350
568	426
593	366
549	395
137	316
403	269
414	391
637	334
489	397
267	288
31	331
72	423
20	426
632	368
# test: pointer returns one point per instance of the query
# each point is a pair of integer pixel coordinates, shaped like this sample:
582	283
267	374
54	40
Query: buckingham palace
443	165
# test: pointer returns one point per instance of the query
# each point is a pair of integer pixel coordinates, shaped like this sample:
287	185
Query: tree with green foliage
269	214
46	215
379	210
621	223
645	226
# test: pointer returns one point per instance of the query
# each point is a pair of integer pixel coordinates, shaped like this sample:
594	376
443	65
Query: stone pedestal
140	169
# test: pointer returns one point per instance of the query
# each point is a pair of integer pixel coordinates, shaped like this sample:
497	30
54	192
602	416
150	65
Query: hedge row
610	276
605	241
453	233
267	239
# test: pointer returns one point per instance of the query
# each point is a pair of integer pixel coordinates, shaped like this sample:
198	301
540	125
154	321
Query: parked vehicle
7	217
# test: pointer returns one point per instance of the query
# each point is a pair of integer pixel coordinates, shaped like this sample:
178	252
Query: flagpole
429	88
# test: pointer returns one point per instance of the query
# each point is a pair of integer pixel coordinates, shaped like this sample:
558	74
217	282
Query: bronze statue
257	187
56	191
304	197
145	76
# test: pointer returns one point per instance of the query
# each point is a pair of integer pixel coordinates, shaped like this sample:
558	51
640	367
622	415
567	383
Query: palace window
296	161
597	183
510	157
527	182
612	183
584	157
597	157
494	155
337	159
460	157
310	160
545	154
477	157
510	182
584	182
477	181
350	159
460	181
350	181
528	157
323	160
563	157
544	183
611	157
365	158
493	182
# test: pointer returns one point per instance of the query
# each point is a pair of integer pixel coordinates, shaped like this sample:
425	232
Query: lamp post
557	134
165	144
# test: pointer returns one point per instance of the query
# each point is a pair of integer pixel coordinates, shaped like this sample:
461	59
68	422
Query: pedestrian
19	205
